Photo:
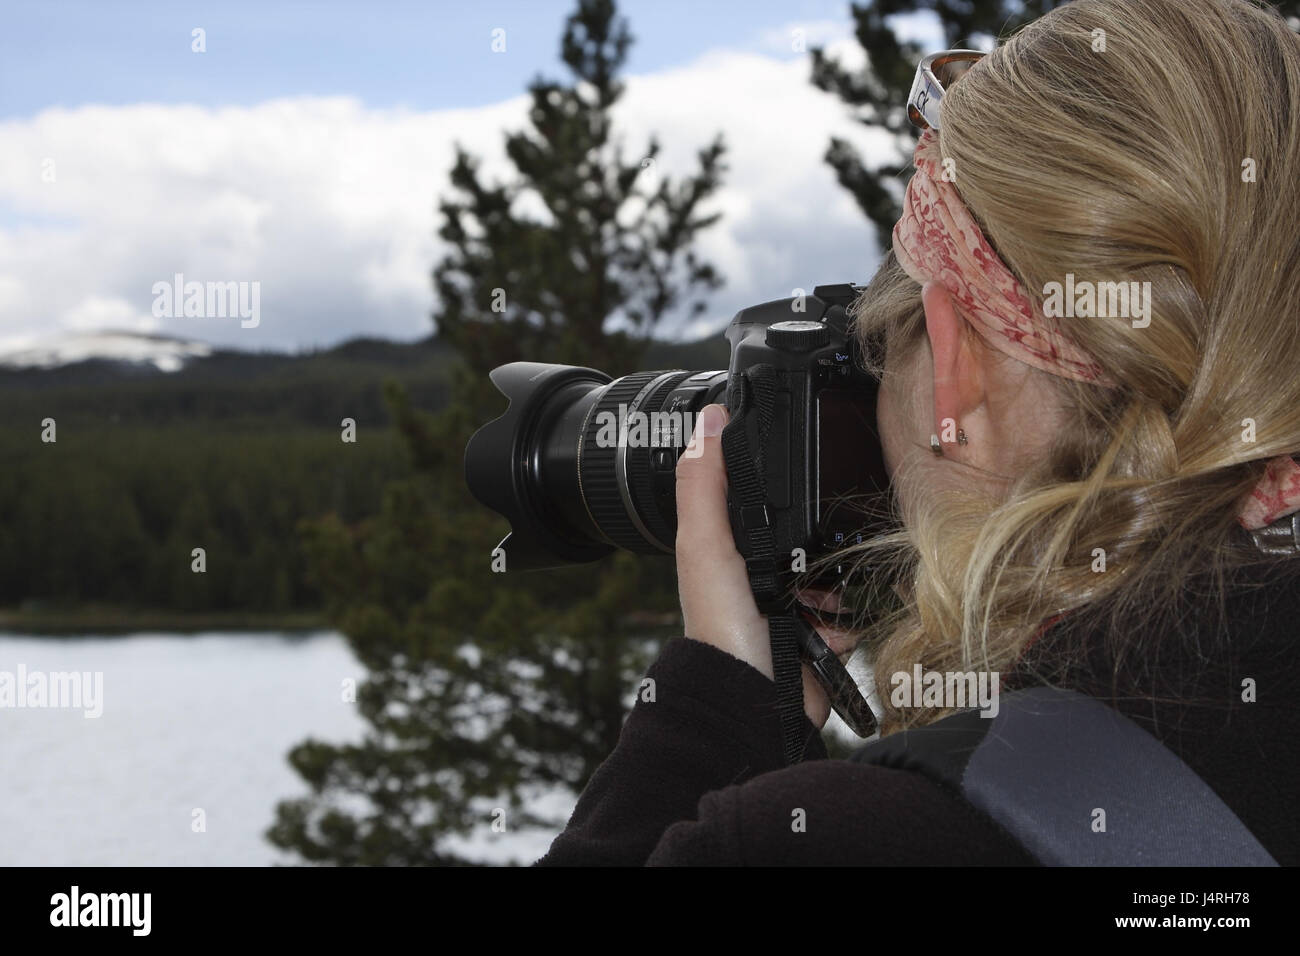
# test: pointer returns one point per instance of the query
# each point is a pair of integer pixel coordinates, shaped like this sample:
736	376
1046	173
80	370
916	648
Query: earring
961	436
935	446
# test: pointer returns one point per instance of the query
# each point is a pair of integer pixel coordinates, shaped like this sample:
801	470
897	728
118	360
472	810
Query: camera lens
582	465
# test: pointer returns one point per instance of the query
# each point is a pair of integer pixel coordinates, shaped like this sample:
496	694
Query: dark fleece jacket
697	777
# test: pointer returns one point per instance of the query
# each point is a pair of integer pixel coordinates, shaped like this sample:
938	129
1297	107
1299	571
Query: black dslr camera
582	465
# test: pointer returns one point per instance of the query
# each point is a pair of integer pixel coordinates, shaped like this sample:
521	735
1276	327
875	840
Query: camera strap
744	448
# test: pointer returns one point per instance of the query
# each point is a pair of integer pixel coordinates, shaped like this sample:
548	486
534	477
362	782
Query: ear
959	373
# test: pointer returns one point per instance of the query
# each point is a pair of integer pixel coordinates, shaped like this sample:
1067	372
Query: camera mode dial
797	336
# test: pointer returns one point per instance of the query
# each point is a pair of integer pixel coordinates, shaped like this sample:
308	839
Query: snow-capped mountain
164	353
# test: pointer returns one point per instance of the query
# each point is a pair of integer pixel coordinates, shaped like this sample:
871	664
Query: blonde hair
1124	164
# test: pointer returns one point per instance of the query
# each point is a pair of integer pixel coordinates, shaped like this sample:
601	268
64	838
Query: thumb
717	605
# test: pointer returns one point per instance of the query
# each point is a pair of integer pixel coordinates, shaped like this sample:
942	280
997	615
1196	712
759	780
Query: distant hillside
316	388
231	453
148	352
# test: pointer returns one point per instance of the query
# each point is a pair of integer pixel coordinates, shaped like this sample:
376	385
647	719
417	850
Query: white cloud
331	206
96	312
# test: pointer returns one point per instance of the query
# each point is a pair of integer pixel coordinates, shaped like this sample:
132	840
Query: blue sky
422	54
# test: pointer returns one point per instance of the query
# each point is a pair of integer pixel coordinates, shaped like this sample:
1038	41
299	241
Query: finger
702	485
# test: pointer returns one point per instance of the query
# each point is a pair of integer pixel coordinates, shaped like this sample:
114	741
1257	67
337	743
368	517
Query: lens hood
503	463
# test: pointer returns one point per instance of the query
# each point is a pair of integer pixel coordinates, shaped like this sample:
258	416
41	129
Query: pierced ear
947	332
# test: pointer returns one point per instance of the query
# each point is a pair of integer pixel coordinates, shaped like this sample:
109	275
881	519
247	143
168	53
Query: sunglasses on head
934	74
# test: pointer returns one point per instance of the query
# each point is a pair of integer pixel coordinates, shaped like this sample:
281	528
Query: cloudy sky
306	147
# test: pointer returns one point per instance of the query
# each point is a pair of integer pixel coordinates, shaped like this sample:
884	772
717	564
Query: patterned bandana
938	239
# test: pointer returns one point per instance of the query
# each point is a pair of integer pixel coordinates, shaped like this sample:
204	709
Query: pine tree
878	92
488	691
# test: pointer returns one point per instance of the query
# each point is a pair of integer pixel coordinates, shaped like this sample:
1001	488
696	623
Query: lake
187	722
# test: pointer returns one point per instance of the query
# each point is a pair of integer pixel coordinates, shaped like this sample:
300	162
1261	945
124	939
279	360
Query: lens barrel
581	465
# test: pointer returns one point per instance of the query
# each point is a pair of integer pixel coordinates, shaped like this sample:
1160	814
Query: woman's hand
717	606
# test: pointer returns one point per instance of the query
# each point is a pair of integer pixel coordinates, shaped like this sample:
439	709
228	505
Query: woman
1076	488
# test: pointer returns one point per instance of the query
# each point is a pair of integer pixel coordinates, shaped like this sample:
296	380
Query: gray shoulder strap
1077	784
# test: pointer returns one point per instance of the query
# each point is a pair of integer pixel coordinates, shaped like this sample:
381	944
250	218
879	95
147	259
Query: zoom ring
597	472
641	469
